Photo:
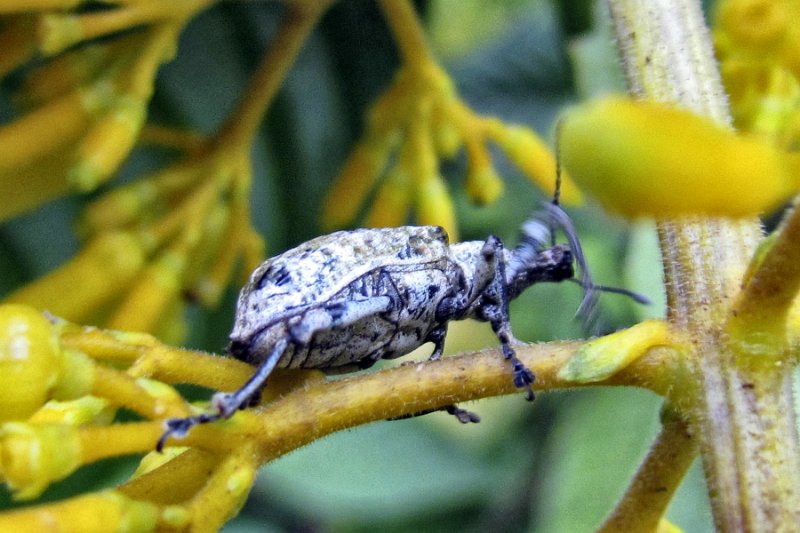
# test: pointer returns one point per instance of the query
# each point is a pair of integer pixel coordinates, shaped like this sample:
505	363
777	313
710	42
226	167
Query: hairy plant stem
740	413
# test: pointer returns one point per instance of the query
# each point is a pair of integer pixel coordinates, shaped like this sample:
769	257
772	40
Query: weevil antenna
633	295
557	191
558	217
556	201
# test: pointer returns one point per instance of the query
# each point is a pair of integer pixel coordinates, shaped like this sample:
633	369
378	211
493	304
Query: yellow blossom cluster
416	122
62	387
148	244
83	108
758	44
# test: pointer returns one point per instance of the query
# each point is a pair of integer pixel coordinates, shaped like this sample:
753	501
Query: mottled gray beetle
342	301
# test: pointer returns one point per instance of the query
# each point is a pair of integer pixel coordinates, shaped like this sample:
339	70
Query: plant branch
408	32
316	409
646	499
301	17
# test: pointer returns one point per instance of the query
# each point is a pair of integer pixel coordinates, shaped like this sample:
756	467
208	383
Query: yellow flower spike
172	328
50	127
226	490
753	23
140	200
392	202
17	41
155	460
158	285
603	357
392	108
175	481
30	361
100	272
446	135
234	245
122	390
216	236
85	410
71	70
531	155
107	144
92	513
354	182
765	100
116	440
483	185
32	456
643	158
435	205
58	31
25	188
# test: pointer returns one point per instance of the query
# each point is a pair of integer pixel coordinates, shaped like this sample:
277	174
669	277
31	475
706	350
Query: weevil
342	301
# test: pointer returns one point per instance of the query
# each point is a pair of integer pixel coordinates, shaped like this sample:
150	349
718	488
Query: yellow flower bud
58	31
483	184
641	158
532	156
30	361
391	204
32	456
90	280
107	144
93	513
355	180
753	23
435	206
157	287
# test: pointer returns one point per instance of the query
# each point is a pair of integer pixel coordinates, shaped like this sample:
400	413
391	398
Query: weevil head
537	258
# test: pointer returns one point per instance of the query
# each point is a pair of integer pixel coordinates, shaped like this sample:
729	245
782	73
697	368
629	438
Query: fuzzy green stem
743	417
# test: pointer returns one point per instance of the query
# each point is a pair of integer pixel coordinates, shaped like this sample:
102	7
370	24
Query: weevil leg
437	336
226	404
463	416
494	309
337	315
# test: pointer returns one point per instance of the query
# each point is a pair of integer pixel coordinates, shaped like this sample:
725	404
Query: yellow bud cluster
177	232
415	123
84	109
758	43
58	410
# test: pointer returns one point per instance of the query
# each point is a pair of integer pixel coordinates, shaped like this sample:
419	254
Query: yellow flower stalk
90	281
421	112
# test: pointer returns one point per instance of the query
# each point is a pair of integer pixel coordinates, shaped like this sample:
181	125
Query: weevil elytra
342	301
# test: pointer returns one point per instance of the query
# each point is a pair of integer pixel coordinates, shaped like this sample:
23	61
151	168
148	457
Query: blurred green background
556	465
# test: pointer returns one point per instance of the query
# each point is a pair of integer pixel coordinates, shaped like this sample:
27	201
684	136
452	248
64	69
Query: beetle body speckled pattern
342	301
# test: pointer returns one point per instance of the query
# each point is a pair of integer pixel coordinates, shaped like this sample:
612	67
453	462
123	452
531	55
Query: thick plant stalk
740	409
